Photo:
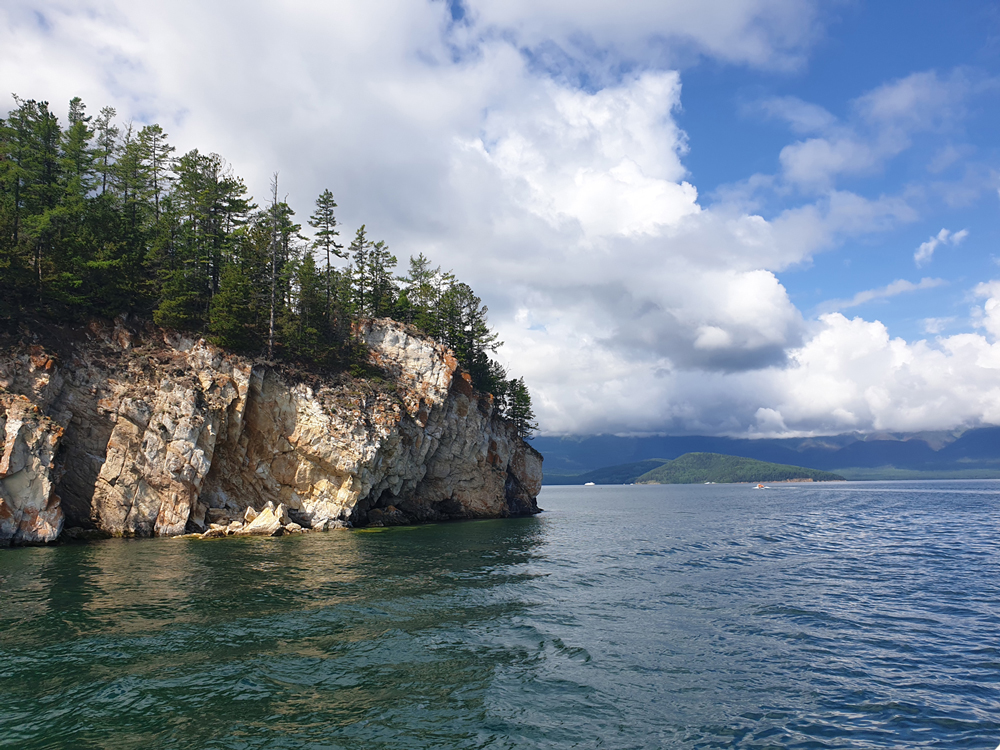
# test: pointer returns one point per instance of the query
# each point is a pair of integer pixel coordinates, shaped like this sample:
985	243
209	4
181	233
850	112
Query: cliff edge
142	432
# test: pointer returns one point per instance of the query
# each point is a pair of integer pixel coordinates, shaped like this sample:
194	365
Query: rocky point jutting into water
142	432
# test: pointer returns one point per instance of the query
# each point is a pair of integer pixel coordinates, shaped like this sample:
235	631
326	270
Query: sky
754	218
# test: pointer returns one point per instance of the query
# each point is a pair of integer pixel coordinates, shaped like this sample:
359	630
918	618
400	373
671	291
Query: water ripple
825	616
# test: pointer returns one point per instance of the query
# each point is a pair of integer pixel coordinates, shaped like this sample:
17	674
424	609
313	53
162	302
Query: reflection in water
126	643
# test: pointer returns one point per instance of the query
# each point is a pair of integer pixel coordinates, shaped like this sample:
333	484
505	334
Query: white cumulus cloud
627	301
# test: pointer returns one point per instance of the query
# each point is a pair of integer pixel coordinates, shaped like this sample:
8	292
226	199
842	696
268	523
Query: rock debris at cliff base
142	432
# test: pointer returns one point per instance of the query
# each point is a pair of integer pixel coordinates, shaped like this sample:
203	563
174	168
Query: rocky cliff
139	432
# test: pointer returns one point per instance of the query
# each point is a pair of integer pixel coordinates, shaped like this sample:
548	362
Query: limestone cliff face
147	433
29	509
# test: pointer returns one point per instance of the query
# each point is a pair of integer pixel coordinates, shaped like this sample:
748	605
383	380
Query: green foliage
371	271
694	468
420	296
305	329
519	411
102	219
464	328
229	324
324	221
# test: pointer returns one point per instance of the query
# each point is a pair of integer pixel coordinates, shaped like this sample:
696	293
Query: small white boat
588	484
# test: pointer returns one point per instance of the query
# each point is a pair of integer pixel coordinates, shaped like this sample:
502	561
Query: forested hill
99	218
693	468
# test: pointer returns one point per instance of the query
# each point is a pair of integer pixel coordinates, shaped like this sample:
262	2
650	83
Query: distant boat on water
588	484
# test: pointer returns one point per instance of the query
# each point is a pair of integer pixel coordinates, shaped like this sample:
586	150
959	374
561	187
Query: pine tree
15	272
78	157
155	154
37	185
107	140
131	189
361	292
284	235
207	208
305	331
466	331
380	279
325	223
252	255
422	289
229	324
499	386
71	283
520	411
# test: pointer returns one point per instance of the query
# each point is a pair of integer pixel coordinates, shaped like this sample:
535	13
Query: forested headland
100	218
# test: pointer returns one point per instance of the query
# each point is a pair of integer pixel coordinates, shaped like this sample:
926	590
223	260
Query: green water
258	642
625	617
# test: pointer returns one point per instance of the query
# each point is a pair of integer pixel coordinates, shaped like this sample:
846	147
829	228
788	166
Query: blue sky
863	46
746	217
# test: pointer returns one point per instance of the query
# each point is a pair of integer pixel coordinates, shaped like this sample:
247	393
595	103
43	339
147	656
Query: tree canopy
100	219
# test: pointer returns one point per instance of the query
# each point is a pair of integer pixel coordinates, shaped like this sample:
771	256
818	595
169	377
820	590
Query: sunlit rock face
143	433
30	512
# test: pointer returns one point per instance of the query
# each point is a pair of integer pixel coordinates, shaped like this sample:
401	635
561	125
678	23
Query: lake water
824	616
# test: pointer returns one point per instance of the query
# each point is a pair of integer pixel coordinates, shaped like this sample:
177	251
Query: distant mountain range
969	454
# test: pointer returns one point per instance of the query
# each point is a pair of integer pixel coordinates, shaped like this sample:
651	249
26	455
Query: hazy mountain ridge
695	468
942	452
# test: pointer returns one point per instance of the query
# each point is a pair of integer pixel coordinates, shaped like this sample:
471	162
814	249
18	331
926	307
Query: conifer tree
78	156
107	139
466	331
360	297
100	219
306	332
499	386
229	324
324	221
520	411
76	239
15	271
35	140
283	252
207	208
252	254
382	288
131	187
422	290
155	154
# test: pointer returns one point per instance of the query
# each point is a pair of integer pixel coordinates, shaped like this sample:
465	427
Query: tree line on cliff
100	218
